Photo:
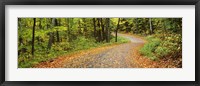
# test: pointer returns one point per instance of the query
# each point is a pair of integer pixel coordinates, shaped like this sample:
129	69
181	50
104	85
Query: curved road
116	57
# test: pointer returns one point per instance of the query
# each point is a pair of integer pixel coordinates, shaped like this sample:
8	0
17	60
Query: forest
99	42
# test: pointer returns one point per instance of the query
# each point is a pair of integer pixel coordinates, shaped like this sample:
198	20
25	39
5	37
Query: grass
26	60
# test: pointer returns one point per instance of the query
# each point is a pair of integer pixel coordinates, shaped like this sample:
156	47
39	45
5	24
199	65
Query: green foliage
149	48
162	51
157	48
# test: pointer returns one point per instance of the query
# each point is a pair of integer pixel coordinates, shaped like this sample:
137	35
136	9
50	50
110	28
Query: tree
33	36
85	27
51	34
117	30
40	23
107	30
57	23
94	23
102	30
99	31
68	31
150	24
20	28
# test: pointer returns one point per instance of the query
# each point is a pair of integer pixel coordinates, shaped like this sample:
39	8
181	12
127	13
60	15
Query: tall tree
117	30
57	23
40	23
150	26
99	30
33	36
102	30
94	23
79	27
136	25
85	27
69	29
20	29
107	30
51	34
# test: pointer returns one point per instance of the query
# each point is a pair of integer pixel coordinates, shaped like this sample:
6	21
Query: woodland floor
115	56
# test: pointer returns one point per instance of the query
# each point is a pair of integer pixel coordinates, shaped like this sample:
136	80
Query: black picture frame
98	2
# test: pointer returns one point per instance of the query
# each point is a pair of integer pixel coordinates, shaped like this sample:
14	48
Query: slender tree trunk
85	27
47	23
107	30
99	31
20	28
68	32
50	40
150	24
94	23
117	30
164	32
103	31
100	35
136	24
133	26
57	23
79	27
40	27
40	24
58	38
51	34
33	36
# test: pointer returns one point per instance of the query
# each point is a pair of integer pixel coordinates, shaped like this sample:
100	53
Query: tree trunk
58	38
133	26
79	27
20	29
68	31
99	35
103	32
94	23
33	36
99	31
107	30
164	32
50	40
85	27
150	24
51	34
47	23
54	23
40	24
57	32
117	30
136	24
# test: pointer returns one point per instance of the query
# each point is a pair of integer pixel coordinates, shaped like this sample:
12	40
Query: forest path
116	57
113	56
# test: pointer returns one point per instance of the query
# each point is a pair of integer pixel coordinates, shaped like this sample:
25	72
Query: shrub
157	48
149	48
162	51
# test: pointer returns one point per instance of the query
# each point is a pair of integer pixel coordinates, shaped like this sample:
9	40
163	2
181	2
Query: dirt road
116	57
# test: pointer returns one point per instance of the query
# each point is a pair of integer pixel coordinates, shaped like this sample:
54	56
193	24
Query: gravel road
116	57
